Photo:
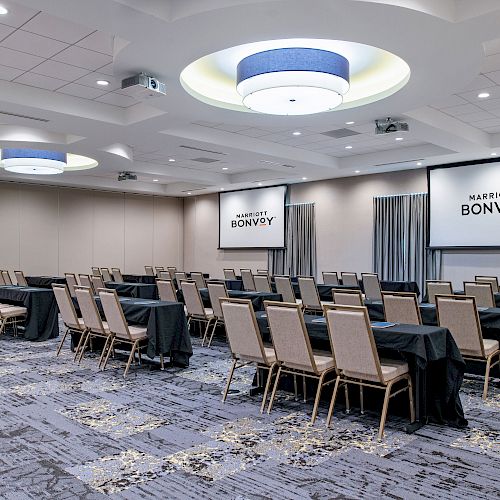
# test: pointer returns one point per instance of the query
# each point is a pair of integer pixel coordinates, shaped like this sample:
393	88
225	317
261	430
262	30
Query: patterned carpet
69	431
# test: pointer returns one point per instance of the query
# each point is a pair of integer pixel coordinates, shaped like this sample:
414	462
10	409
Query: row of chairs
6	280
483	289
11	314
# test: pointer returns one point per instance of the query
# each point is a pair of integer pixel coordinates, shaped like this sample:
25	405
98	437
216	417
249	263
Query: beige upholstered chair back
371	285
263	271
482	291
247	278
149	270
198	278
85	280
401	308
229	274
97	282
96	271
350	279
180	276
66	307
242	331
158	269
2	282
347	297
459	315
436	287
309	292
217	291
6	278
262	283
330	278
290	338
113	312
106	275
172	270
284	287
192	299
71	281
166	290
117	275
488	279
88	308
163	275
352	342
21	280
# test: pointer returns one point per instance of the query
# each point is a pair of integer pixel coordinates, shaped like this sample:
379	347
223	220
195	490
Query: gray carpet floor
69	431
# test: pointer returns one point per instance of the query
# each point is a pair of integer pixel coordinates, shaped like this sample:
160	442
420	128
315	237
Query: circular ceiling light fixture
293	81
42	162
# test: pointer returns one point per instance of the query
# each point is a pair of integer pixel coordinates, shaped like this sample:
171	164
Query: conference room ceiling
53	52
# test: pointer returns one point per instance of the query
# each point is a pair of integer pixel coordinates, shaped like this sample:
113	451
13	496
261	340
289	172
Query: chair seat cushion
136	332
391	369
12	311
490	346
323	362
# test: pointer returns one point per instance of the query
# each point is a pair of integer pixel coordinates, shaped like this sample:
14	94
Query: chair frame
230	270
297	301
6	274
483	284
109	274
243	282
436	281
349	272
379	285
309	308
169	281
403	294
20	274
488	279
118	274
218	320
149	270
13	320
262	276
386	386
348	291
332	273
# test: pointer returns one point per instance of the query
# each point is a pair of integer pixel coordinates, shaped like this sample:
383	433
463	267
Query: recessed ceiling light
297	132
304	178
155	180
3	11
171	159
348	147
357	171
222	189
103	83
350	123
399	138
224	168
260	184
419	163
483	95
189	192
494	154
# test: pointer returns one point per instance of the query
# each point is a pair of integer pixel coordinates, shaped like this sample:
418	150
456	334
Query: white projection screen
465	206
254	218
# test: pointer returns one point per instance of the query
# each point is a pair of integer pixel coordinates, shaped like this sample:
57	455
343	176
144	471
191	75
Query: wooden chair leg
361	400
318	395
83	334
383	417
110	350
487	377
229	378
332	402
268	384
410	399
62	342
213	332
103	352
273	395
347	404
84	346
130	358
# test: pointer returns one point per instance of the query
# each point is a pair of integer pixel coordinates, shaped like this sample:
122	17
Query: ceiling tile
253	132
476	117
448	102
98	41
480	82
83	58
81	91
7	73
121	100
18	15
489	104
33	44
90	80
461	110
494	122
494	92
492	47
18	60
56	28
40	81
494	76
106	69
60	70
232	128
490	63
492	130
5	31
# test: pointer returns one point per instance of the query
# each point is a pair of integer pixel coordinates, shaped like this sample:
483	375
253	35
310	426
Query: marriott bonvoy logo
253	219
482	203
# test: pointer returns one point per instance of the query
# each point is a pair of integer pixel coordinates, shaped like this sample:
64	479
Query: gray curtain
434	263
299	255
399	237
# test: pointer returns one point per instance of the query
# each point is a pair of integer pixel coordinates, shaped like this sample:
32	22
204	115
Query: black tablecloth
325	291
139	278
436	364
41	321
257	298
134	290
45	281
399	286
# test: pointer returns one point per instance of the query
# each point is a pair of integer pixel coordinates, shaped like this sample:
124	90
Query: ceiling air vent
204	150
204	160
25	117
340	133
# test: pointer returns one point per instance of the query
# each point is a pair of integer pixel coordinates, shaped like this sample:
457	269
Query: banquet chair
358	362
199	279
371	286
294	354
11	314
106	275
158	269
97	282
437	287
6	277
350	279
171	271
245	342
229	274
216	291
401	307
20	278
95	326
263	271
117	275
120	331
71	281
247	278
309	294
330	278
483	292
163	275
96	271
459	314
285	289
196	311
86	281
262	283
166	290
71	321
2	282
347	297
488	279
149	270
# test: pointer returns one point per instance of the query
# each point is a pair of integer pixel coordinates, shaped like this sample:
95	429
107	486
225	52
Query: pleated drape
299	255
399	237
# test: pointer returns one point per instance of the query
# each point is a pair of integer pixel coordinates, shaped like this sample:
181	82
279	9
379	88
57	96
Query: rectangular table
139	278
45	281
436	364
42	321
134	290
257	298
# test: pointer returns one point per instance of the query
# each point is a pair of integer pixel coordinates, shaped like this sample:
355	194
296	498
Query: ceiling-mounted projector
389	125
143	86
127	176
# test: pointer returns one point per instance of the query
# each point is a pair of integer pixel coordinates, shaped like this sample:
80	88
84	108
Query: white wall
48	230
